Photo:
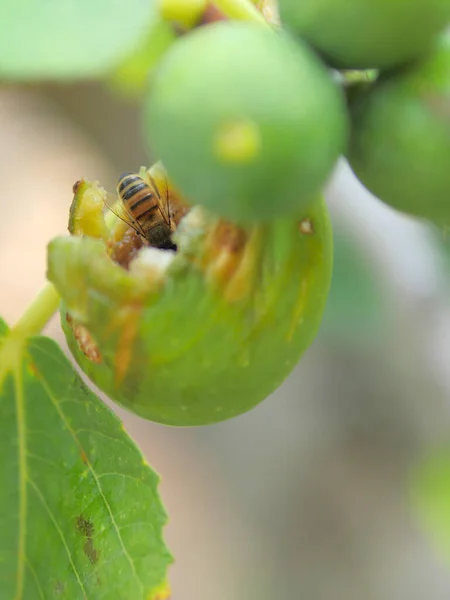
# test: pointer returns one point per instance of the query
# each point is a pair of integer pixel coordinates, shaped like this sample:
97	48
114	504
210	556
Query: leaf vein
35	577
37	347
105	435
101	566
124	476
58	529
42	459
94	475
22	463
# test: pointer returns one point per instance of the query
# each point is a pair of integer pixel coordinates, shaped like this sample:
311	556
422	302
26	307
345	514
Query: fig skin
367	34
203	334
400	143
248	122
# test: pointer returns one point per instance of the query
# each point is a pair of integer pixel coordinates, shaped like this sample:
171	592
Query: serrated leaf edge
94	475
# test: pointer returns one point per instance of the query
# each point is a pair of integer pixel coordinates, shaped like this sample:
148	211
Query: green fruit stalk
199	335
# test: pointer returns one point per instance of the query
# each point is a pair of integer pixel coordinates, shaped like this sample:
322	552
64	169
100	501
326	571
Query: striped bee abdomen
140	200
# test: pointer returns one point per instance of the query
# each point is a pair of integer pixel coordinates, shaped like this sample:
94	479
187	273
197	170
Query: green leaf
67	39
432	498
79	511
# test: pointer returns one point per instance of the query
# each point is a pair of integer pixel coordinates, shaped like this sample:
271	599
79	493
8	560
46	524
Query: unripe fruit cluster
260	112
249	123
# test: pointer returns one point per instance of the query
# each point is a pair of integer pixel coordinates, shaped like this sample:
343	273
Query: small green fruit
400	144
248	122
367	34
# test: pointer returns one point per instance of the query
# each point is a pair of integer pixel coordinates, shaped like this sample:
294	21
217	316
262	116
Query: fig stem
186	12
354	77
242	10
38	313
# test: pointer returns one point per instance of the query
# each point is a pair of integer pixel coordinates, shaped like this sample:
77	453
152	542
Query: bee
145	207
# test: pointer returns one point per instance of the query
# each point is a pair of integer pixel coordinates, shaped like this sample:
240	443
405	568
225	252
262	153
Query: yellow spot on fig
299	307
238	142
85	341
306	227
242	281
129	321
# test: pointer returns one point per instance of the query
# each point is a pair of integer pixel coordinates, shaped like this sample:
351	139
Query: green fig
249	123
200	334
400	142
367	34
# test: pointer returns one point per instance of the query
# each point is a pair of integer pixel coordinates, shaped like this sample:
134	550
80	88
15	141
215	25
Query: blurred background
307	496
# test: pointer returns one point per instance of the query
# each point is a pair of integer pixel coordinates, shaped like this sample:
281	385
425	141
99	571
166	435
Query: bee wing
161	190
172	204
117	207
